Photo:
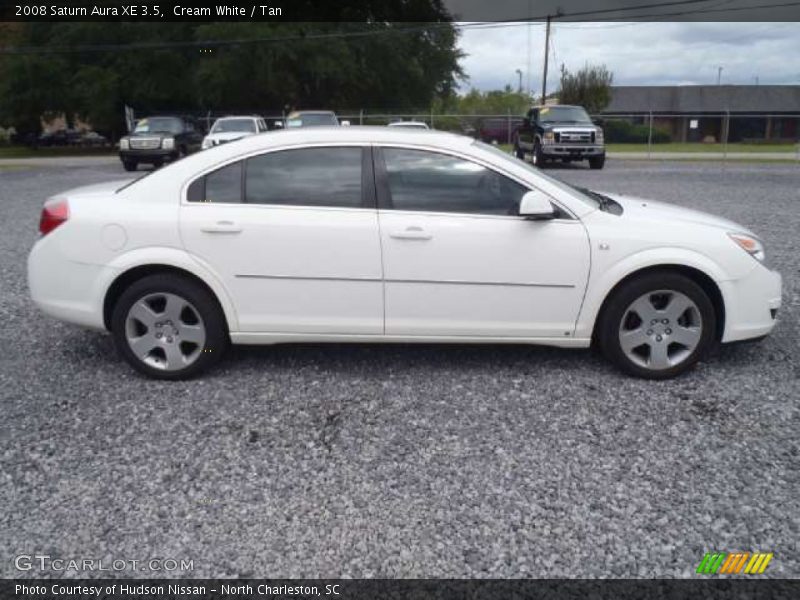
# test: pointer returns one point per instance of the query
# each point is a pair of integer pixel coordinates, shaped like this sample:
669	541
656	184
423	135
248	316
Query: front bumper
572	151
751	304
148	155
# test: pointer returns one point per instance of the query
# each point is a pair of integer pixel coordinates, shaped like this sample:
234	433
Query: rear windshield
311	120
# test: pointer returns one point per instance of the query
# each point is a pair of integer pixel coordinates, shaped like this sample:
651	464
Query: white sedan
378	234
229	129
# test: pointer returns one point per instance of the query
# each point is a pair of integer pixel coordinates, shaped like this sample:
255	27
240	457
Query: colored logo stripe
733	563
758	563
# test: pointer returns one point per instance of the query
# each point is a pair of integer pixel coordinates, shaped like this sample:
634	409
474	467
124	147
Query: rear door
293	234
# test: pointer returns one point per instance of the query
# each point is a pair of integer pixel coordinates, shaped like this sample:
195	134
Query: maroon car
498	130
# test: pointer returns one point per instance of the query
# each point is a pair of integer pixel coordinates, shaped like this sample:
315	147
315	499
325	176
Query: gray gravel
405	461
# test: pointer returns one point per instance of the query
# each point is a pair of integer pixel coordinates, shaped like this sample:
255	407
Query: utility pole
519	89
546	55
719	75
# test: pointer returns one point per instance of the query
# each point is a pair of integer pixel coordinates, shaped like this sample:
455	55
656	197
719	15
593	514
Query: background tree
590	87
389	65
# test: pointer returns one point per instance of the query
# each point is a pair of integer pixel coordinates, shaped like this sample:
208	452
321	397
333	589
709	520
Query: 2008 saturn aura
383	235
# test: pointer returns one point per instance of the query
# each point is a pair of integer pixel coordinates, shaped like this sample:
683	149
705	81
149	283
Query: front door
459	261
293	235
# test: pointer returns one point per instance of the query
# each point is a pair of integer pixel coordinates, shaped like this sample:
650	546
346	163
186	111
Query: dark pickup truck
156	140
560	132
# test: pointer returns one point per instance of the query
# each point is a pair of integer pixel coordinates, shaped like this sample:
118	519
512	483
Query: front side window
419	180
306	177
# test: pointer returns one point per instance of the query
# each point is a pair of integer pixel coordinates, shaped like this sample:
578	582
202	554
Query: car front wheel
130	165
658	325
169	327
538	156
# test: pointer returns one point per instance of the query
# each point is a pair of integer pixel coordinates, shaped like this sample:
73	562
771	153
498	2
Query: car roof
311	112
238	117
357	134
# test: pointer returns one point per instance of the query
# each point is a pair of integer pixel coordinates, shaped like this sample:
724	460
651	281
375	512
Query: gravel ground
405	461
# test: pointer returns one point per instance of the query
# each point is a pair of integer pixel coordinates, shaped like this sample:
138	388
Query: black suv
156	140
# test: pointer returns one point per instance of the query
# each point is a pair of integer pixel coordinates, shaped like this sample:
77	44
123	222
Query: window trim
385	199
368	193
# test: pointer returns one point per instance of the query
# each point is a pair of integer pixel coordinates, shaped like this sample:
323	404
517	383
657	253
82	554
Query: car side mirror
598	122
278	125
526	122
536	205
345	123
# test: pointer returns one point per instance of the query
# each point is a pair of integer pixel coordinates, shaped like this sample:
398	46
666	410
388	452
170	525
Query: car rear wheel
130	165
658	325
597	162
169	327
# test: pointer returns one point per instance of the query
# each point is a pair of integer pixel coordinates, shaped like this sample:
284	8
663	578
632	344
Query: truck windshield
563	114
159	125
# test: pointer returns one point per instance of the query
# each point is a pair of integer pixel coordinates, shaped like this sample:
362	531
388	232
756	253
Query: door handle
222	227
411	233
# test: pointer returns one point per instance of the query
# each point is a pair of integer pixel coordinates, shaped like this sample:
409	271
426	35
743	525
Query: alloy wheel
165	331
660	329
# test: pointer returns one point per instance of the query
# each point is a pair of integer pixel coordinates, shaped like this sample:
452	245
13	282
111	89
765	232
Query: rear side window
305	177
221	186
302	177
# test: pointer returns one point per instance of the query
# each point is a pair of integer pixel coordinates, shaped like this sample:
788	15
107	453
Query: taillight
54	213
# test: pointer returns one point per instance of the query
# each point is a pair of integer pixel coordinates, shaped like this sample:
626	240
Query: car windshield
311	120
234	125
575	192
159	125
563	114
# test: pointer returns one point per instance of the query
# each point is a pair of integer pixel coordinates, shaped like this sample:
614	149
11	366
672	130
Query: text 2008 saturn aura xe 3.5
378	234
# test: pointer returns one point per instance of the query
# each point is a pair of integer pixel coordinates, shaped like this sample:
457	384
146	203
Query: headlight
749	244
549	136
207	143
168	143
124	144
598	136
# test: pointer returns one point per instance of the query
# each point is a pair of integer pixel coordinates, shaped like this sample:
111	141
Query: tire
518	152
649	309
597	162
130	165
537	158
163	319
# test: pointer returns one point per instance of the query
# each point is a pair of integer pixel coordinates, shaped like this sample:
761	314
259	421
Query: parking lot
401	460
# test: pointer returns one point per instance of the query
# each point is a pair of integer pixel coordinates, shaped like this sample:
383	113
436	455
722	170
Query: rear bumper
66	289
751	305
563	150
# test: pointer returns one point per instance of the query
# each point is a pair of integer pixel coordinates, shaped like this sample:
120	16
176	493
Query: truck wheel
518	152
130	165
538	155
597	162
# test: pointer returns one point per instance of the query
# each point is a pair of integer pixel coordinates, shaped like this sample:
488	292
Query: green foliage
495	102
625	132
386	68
590	87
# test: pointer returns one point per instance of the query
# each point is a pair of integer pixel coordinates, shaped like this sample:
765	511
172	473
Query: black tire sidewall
623	297
217	340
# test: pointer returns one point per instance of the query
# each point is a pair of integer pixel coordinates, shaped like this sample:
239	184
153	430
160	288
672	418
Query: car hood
228	136
652	209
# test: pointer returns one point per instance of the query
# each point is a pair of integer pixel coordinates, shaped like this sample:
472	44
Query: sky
636	53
